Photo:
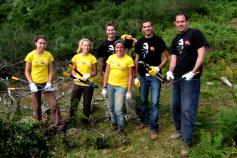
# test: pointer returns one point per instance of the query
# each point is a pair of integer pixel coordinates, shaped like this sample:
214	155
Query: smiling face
181	23
147	29
110	30
86	46
40	45
119	50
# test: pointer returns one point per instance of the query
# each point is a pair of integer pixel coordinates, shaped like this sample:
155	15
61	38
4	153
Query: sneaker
154	135
122	135
175	136
184	151
141	126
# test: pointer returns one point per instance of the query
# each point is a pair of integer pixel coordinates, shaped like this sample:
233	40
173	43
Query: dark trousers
77	92
51	100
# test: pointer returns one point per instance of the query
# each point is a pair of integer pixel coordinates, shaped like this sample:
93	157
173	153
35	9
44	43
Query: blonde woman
39	73
118	84
85	63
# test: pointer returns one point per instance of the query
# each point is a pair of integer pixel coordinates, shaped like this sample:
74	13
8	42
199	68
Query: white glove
76	80
48	87
86	76
188	76
169	75
128	95
104	92
33	87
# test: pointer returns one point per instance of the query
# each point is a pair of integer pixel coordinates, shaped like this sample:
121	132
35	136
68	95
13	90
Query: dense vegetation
66	21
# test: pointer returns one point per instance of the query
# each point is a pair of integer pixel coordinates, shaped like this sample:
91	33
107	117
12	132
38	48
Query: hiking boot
114	126
122	135
154	135
141	126
184	151
175	136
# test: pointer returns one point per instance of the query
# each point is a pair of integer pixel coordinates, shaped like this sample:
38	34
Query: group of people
116	72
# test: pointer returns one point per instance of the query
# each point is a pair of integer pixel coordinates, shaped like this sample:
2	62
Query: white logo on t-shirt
180	46
144	50
111	49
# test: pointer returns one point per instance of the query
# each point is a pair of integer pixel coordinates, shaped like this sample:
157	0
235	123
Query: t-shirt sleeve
131	62
50	58
171	49
28	58
109	60
100	51
94	60
137	48
162	44
200	39
74	59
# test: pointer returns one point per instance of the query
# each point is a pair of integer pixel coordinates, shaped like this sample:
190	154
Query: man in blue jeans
188	52
151	50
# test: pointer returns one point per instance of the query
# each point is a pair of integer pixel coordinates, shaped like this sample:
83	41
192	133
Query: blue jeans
155	85
115	102
185	100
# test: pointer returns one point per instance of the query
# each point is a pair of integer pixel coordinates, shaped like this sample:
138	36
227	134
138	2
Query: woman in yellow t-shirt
118	84
39	73
86	64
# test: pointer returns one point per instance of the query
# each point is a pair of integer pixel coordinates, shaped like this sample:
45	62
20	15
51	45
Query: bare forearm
94	72
28	72
200	59
106	75
164	60
136	65
50	75
172	63
101	65
130	76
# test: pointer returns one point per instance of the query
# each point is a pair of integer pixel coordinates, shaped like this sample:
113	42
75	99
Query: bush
22	139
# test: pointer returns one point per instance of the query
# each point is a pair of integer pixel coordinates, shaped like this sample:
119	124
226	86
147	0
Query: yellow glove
137	83
125	36
153	70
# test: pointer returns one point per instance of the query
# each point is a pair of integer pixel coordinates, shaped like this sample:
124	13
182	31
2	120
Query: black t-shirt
149	51
105	50
185	47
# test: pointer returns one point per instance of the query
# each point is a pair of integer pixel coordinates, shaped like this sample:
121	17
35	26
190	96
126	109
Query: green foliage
227	123
65	21
209	146
22	139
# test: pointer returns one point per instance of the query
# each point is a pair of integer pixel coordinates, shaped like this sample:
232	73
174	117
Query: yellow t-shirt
84	65
118	75
39	65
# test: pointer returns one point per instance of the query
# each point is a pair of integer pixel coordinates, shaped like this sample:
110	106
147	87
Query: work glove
188	76
104	92
128	95
48	87
86	76
125	36
137	82
153	70
169	75
33	87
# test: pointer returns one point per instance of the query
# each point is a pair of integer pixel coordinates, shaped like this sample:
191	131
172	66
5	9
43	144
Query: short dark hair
144	21
182	13
119	41
110	23
37	37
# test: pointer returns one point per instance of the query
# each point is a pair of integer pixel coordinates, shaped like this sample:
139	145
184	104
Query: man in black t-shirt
151	50
188	52
104	51
106	48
